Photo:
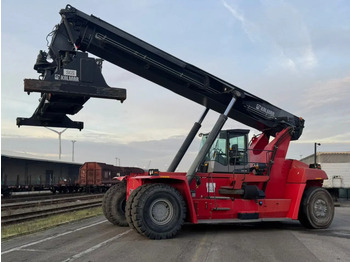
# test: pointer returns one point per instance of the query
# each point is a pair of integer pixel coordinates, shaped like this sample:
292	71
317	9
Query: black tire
106	199
113	204
158	211
316	208
129	204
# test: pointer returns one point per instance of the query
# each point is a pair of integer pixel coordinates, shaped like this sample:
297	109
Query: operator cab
228	153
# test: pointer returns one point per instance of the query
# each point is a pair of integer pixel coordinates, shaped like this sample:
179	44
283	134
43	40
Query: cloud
333	93
287	30
281	28
343	138
152	153
248	27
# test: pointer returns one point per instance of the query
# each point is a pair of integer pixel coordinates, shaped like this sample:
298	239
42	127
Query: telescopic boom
74	76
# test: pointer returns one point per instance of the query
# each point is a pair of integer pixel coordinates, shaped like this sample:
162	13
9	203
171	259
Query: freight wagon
98	177
20	174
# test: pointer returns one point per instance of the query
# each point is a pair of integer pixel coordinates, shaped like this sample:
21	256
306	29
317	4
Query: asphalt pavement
96	239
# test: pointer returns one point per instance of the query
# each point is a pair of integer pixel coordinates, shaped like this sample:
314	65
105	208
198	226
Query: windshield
227	142
218	151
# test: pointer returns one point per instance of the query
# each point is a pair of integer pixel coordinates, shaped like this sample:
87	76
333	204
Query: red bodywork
283	183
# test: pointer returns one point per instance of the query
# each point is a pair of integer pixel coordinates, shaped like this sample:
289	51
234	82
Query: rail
18	212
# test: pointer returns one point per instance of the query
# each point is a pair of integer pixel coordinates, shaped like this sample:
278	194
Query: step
221	209
225	190
247	215
220	197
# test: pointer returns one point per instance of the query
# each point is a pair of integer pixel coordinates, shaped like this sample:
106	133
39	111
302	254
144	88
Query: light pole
116	161
73	141
59	139
316	144
149	163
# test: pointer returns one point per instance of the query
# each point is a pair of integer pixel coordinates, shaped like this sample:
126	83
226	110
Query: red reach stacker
231	180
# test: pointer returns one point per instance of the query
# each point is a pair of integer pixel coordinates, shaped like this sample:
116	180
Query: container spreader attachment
66	84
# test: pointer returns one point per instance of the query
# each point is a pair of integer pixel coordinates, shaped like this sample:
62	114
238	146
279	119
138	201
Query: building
337	167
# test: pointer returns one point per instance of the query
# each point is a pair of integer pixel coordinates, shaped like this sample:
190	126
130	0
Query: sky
294	54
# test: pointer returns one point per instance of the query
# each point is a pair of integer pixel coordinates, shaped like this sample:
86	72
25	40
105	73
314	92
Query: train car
98	177
21	173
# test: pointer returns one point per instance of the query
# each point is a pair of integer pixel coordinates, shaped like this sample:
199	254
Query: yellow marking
164	176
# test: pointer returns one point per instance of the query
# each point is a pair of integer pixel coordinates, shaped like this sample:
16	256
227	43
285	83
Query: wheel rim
161	211
320	208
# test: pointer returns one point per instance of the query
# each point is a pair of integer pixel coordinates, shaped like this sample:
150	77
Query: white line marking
32	250
96	246
49	238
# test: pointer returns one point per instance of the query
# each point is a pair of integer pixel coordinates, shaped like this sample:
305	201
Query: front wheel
158	211
316	208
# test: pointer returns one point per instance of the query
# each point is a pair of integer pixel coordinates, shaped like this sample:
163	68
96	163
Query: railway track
12	213
37	197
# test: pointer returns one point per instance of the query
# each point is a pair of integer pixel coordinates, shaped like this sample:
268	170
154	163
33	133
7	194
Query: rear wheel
158	211
316	208
113	204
